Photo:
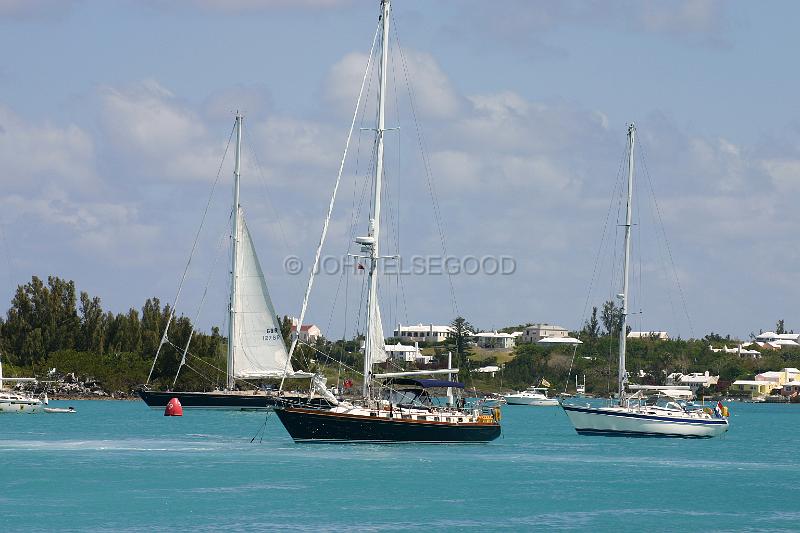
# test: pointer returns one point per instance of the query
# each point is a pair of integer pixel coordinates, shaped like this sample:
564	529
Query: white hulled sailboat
633	416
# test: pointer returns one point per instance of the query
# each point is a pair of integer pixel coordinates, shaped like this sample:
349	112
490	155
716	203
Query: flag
545	383
718	410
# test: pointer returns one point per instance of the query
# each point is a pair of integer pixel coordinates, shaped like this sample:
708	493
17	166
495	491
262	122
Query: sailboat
18	402
634	415
394	407
256	349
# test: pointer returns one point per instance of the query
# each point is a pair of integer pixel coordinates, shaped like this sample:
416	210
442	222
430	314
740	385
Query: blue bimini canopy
427	383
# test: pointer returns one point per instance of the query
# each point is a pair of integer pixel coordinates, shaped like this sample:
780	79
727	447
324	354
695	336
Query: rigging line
638	249
268	195
330	210
427	167
666	241
353	216
224	372
596	269
191	254
604	235
199	309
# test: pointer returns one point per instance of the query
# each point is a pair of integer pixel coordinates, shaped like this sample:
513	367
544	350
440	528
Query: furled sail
258	347
378	351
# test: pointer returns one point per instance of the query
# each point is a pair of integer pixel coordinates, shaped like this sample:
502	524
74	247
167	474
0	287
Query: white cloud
44	152
434	95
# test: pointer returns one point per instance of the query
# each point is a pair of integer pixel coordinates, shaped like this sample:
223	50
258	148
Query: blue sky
114	117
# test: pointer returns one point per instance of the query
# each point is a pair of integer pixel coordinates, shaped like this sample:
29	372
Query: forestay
258	347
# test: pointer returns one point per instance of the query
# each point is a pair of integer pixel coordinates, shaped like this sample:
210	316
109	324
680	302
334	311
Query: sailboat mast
374	223
623	333
234	251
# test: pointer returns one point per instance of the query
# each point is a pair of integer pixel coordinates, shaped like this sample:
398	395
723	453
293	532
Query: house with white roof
423	333
495	340
537	332
751	388
408	354
694	381
658	335
776	341
780	377
740	350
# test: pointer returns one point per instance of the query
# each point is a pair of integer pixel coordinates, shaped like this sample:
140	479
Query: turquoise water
120	466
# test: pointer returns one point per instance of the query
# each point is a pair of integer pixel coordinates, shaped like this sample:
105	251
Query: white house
537	332
553	341
781	377
694	381
402	352
308	332
423	333
740	350
408	354
776	341
493	339
659	335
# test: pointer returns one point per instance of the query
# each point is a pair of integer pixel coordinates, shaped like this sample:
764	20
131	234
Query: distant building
659	335
491	369
494	340
402	352
554	341
537	332
694	381
740	350
745	388
776	341
423	333
308	333
780	377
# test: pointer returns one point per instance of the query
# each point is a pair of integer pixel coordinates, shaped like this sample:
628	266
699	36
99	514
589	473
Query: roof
546	326
559	340
752	382
401	348
646	334
305	327
494	335
424	328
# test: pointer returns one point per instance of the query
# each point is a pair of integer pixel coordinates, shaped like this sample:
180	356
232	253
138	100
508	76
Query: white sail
258	347
377	344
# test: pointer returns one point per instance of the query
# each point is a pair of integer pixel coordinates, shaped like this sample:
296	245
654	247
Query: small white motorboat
536	396
493	400
59	410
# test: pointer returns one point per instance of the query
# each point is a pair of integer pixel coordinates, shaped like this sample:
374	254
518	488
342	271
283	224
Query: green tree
612	318
591	328
780	329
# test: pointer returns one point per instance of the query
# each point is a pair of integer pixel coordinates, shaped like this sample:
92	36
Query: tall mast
374	222
234	250
623	375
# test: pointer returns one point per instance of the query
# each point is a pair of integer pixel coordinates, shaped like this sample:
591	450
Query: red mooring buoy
174	408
